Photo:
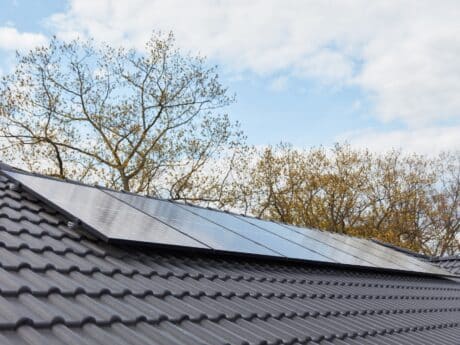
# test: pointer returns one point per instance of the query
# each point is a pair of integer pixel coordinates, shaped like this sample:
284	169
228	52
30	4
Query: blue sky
303	113
306	72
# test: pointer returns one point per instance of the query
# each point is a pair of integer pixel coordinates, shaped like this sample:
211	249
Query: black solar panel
107	216
315	242
267	238
213	235
120	216
376	255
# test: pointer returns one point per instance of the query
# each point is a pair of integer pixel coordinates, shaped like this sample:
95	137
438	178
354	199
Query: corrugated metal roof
60	286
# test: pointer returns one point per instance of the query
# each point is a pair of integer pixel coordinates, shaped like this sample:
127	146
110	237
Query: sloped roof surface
450	263
118	217
60	286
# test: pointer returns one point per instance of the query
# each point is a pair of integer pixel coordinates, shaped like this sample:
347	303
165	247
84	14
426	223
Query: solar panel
345	248
107	216
269	239
369	251
400	259
315	242
213	235
116	216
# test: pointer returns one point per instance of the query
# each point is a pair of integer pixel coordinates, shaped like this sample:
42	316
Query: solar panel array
116	216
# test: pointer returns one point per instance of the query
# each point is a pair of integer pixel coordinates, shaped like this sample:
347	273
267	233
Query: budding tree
146	121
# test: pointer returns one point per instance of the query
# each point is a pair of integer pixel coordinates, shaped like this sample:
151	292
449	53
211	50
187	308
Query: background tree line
409	200
152	122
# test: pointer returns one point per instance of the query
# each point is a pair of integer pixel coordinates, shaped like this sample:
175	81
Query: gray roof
449	263
61	286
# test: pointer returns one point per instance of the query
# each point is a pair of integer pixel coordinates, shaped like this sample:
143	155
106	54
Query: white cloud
404	53
423	140
12	39
329	67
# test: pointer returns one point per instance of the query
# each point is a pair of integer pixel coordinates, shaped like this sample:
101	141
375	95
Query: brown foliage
149	122
407	200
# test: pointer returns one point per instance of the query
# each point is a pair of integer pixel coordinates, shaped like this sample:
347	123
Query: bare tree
145	121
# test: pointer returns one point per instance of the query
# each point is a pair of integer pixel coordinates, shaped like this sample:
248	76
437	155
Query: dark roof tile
59	286
450	263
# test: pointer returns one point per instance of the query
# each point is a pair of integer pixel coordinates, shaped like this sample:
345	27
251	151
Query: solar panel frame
415	266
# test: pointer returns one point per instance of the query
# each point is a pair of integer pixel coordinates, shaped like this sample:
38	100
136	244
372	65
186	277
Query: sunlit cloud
11	39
